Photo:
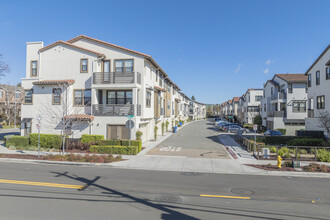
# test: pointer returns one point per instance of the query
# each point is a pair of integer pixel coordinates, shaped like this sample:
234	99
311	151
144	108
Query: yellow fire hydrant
279	161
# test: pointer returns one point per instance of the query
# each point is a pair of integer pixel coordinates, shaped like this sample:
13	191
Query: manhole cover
168	198
243	192
191	174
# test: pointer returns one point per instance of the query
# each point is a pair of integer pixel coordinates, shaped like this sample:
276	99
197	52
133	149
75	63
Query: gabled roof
73	46
236	99
326	49
271	81
292	77
230	101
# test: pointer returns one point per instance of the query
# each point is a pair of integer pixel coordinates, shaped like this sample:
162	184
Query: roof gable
292	77
317	60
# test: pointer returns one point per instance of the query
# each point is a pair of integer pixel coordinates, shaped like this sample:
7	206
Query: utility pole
15	108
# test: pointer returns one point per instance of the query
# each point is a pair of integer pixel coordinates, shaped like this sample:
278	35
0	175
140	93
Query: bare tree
4	67
324	120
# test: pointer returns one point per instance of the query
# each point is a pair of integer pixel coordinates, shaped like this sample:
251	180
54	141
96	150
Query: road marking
170	148
229	197
42	184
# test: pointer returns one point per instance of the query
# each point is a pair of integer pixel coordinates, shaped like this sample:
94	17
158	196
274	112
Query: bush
283	151
78	146
279	140
17	141
248	126
136	143
306	142
84	158
272	149
155	132
302	151
138	135
323	155
86	138
282	130
108	142
46	140
163	128
166	124
114	149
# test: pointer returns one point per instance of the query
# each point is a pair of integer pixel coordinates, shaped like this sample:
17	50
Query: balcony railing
310	113
277	114
278	95
116	77
115	110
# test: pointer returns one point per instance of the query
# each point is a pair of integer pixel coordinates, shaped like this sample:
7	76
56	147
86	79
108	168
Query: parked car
235	129
273	133
231	124
220	126
0	127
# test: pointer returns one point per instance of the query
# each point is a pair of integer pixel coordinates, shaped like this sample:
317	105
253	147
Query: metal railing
112	109
116	77
278	95
138	110
276	114
310	113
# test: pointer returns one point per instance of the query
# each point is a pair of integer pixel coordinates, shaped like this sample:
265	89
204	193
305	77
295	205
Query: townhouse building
251	105
240	109
90	86
318	93
11	98
284	102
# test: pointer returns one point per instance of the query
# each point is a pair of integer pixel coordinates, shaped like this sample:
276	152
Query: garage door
117	132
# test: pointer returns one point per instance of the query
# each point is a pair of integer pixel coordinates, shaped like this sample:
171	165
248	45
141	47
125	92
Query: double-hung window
84	65
148	99
318	77
124	66
309	80
28	97
327	72
119	97
56	96
320	102
34	68
82	97
299	107
290	88
258	98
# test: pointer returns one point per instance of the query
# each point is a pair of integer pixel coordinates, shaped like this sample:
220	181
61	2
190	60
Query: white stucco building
318	80
95	85
251	105
284	102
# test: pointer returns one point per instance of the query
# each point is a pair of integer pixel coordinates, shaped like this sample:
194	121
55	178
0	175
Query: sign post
129	125
255	128
39	127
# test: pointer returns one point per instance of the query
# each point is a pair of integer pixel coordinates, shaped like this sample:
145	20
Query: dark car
0	127
235	129
273	133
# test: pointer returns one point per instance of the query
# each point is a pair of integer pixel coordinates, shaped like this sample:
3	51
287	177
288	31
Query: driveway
196	140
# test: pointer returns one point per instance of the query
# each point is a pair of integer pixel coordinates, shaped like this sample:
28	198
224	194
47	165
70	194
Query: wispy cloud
238	68
269	61
266	71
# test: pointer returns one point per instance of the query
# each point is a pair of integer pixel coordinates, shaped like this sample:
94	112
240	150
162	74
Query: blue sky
213	50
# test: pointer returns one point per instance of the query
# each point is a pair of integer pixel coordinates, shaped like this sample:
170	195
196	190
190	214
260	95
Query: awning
80	117
25	120
177	100
158	88
54	82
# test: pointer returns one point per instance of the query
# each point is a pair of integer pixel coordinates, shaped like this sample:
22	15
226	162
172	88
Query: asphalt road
4	132
111	193
195	140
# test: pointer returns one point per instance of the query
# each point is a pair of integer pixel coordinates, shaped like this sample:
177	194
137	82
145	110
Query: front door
117	132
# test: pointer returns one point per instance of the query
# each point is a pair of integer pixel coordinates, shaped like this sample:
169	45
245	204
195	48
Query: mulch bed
271	167
313	167
22	156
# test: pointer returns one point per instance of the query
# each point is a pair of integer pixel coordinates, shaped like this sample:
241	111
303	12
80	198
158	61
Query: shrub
249	126
323	155
282	130
163	128
78	146
108	142
279	140
136	143
155	132
283	151
114	149
84	158
306	142
17	141
138	135
46	140
167	123
87	138
302	151
272	149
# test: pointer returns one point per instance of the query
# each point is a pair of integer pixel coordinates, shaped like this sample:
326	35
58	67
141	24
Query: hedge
282	130
114	149
86	138
279	140
108	142
46	140
17	141
137	143
306	142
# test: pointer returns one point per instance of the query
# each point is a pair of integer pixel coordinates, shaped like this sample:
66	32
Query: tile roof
293	77
236	99
54	82
82	117
71	45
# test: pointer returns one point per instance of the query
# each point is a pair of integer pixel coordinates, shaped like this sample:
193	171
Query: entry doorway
117	132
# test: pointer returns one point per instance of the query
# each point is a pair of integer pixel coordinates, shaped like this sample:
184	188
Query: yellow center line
229	197
42	184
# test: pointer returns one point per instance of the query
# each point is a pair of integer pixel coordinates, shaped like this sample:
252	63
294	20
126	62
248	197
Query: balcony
310	113
280	114
115	110
116	77
278	95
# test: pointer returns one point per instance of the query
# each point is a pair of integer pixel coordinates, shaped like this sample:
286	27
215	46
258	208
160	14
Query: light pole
39	127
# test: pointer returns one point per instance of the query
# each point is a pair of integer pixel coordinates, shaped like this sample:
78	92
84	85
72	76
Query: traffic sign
129	116
255	127
129	124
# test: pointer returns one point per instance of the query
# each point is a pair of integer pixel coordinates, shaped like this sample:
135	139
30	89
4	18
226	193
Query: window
299	107
327	73
290	88
84	65
320	102
124	66
264	107
156	75
148	99
309	80
106	66
57	96
1	94
34	68
258	98
272	90
120	97
168	104
28	97
317	77
253	109
82	97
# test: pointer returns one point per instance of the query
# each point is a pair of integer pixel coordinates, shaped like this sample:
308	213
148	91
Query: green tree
193	98
257	120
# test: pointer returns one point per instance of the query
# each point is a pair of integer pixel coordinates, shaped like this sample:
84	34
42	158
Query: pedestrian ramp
234	147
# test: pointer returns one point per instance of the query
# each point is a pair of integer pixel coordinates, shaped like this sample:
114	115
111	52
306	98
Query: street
111	193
